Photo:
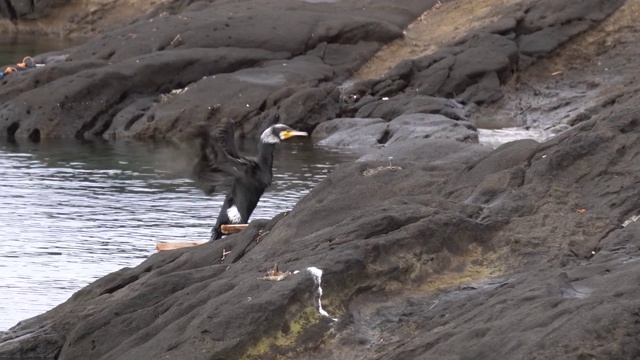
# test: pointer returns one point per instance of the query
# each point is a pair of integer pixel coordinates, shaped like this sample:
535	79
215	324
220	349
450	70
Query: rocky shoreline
452	251
155	78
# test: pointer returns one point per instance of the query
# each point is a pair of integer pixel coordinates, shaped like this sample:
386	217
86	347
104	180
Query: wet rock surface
449	250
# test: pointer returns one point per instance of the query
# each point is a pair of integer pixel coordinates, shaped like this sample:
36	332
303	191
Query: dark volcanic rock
407	116
351	132
76	107
403	104
28	9
427	259
451	251
333	126
357	132
445	152
547	25
221	52
317	45
473	69
429	126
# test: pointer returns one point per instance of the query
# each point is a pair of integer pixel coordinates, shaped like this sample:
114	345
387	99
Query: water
497	137
72	212
14	48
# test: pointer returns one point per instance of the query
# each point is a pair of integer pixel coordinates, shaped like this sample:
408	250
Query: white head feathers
270	136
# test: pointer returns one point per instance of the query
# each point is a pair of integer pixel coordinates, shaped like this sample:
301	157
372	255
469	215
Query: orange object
26	63
232	228
163	246
9	70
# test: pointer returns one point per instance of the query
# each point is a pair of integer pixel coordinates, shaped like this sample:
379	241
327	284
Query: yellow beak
291	133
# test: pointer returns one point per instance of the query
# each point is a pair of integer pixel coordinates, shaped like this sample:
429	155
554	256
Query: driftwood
226	229
232	229
164	246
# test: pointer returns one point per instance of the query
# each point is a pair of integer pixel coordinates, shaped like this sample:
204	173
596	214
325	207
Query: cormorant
220	167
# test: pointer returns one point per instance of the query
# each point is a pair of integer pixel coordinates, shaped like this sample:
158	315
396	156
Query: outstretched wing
224	135
219	161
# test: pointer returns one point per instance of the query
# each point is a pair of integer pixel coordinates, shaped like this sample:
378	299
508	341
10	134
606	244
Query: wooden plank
164	246
232	228
225	229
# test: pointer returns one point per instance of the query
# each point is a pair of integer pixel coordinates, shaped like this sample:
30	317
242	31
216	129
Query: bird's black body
220	167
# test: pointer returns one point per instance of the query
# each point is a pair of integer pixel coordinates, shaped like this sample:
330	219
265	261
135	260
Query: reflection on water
72	213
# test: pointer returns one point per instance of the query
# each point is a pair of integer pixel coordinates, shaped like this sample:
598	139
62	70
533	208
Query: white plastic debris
630	220
317	277
178	91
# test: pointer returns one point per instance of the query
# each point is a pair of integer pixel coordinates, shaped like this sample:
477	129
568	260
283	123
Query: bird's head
279	132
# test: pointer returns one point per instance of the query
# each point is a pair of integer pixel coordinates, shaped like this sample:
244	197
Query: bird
220	167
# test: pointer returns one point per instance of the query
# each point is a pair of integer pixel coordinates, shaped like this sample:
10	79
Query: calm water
14	48
72	213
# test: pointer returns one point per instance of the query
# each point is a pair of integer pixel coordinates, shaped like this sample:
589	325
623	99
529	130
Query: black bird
220	167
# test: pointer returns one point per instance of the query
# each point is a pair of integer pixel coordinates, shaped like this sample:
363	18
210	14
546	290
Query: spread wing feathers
224	134
219	161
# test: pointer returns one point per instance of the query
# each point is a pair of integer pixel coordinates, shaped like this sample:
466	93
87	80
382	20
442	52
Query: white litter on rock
166	97
630	220
317	277
178	91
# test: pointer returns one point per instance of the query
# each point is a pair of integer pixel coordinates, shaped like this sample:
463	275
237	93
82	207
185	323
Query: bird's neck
265	154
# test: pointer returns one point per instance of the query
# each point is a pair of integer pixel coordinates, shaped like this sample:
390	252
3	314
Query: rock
366	132
72	19
466	255
430	126
373	135
230	57
307	108
474	67
445	152
351	132
548	25
402	105
32	9
85	106
333	126
325	41
567	88
486	90
452	250
451	71
483	54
